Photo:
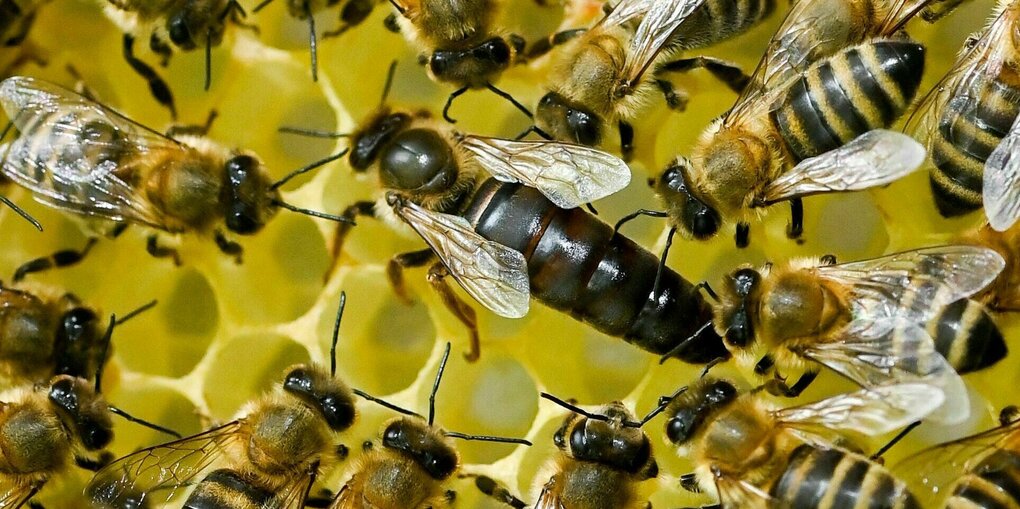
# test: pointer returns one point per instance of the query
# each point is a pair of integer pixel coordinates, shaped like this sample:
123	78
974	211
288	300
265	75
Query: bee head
77	334
247	195
607	442
85	410
418	161
194	26
476	65
741	285
692	215
565	121
367	143
426	446
320	390
691	409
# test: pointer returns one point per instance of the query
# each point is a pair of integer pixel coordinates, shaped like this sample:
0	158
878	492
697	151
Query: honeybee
267	457
750	455
975	471
829	76
413	467
969	122
864	320
603	75
605	458
47	427
83	157
184	26
1003	294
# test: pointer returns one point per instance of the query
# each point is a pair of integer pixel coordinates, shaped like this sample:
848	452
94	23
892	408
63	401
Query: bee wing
871	411
294	494
495	275
569	175
933	471
902	12
662	19
915	285
550	497
63	165
623	12
875	158
1001	187
14	495
878	353
740	493
155	475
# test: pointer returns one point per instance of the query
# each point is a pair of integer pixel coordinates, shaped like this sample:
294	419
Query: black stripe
801	124
870	87
886	491
848	489
841	105
228	481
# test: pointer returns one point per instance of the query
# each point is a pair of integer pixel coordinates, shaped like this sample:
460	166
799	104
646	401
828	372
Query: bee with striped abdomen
864	320
606	74
85	158
752	456
831	74
1003	294
414	466
270	456
969	122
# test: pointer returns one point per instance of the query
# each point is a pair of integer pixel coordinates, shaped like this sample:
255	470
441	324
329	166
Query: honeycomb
222	333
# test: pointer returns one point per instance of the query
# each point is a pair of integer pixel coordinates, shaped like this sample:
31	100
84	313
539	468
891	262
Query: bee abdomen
993	484
967	134
854	91
967	336
833	479
227	489
718	20
577	265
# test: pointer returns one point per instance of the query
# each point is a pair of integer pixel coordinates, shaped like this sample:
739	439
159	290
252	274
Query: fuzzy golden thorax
729	165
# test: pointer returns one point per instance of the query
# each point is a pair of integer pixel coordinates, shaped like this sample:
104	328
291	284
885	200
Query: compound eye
579	441
740	330
179	31
680	427
705	221
298	380
584	127
744	280
338	412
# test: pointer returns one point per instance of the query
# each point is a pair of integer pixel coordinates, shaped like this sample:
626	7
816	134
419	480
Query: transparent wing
740	493
71	152
156	475
1001	187
495	275
875	158
14	495
294	494
569	175
550	497
344	499
624	12
937	468
872	411
876	354
901	12
914	285
658	25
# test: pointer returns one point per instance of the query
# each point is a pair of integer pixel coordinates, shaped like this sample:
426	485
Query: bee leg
318	501
488	486
159	89
361	208
450	496
730	74
1008	415
743	236
796	227
546	44
634	215
94	465
161	48
778	387
395	270
352	14
35	505
829	259
64	258
689	482
676	100
229	247
464	312
390	22
449	102
157	251
765	365
626	140
193	129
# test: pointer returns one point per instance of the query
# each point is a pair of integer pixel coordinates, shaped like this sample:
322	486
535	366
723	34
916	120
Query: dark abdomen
718	20
227	489
967	336
848	94
578	266
834	479
992	484
965	137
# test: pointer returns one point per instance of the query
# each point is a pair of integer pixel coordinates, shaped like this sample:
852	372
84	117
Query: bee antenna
261	4
336	333
662	264
313	46
305	169
435	386
895	440
104	352
487	438
147	424
20	211
574	408
398	7
312	213
385	404
510	99
208	57
137	311
312	133
663	403
679	347
389	82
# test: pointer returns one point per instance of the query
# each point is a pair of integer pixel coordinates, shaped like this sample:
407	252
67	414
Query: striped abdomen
992	484
227	489
578	266
964	140
834	479
718	20
967	336
861	88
